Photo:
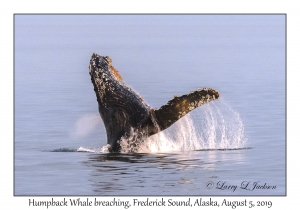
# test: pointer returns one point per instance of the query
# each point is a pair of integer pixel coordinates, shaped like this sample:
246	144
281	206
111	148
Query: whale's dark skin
123	110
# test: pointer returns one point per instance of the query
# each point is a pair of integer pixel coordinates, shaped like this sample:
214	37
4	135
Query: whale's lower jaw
126	115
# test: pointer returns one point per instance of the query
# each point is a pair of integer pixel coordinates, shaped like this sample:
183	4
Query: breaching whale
125	112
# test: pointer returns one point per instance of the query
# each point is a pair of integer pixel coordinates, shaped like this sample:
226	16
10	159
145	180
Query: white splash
104	149
83	149
207	127
212	126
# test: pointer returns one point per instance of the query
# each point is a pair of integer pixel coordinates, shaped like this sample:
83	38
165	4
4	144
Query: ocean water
235	145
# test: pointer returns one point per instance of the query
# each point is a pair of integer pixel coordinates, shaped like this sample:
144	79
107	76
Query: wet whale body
125	113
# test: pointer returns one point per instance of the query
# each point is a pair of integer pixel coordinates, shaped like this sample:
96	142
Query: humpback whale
125	112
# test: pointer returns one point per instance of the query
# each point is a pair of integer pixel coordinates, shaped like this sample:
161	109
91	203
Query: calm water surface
238	140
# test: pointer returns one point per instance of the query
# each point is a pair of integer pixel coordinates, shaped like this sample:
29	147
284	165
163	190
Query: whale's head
101	67
105	77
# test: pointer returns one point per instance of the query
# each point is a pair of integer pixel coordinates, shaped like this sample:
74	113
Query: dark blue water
60	139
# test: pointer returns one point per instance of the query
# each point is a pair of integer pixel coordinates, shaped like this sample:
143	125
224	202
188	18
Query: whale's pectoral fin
176	108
